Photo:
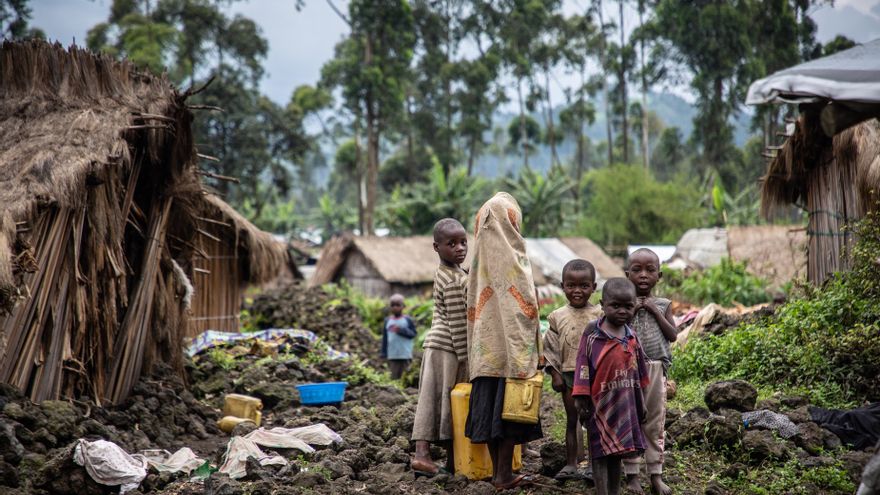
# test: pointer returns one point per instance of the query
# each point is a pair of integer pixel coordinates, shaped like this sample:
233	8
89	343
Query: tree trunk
359	172
623	96
522	124
604	60
646	156
472	151
551	132
447	158
372	147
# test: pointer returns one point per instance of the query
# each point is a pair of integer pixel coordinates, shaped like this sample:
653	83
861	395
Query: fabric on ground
109	465
295	438
769	420
237	452
859	428
184	460
213	338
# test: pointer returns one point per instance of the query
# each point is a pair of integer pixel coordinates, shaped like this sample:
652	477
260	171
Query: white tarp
702	248
850	75
240	448
184	460
237	452
109	465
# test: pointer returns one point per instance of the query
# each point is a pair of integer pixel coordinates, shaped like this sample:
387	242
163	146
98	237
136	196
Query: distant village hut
97	184
830	162
230	255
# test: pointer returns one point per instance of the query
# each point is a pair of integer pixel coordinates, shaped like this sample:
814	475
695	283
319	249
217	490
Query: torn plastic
109	465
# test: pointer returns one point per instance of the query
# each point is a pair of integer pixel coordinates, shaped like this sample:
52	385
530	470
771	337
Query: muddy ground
709	450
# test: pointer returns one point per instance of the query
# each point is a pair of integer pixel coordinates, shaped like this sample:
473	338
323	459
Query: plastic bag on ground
237	452
109	465
184	460
295	438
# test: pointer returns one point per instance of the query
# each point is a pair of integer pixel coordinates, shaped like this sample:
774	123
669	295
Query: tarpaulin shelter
830	162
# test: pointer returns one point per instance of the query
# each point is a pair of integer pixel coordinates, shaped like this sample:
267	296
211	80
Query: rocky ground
710	451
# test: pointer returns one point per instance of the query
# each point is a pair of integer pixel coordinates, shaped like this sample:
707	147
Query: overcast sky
300	42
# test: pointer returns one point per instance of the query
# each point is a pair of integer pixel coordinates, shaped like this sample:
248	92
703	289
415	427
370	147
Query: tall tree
711	39
369	68
605	62
14	17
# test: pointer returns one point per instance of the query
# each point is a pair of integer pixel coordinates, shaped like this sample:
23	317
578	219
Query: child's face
619	308
396	308
578	286
644	272
452	246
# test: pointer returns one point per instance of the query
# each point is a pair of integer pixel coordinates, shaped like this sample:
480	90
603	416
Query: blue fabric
398	345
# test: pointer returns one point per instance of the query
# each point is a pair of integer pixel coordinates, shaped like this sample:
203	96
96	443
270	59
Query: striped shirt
647	329
449	325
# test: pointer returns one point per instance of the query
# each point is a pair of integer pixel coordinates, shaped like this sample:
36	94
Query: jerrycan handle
528	396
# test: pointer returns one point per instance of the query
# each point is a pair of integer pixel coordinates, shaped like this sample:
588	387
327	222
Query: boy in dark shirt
608	384
398	332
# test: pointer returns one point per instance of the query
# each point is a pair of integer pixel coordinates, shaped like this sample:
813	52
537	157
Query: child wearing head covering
502	332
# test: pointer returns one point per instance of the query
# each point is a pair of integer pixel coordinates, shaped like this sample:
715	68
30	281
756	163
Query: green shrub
725	284
824	343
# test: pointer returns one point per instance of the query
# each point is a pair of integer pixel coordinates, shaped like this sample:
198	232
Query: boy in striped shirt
444	362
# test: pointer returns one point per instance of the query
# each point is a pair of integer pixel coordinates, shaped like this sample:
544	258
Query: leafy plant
726	284
543	200
825	343
221	358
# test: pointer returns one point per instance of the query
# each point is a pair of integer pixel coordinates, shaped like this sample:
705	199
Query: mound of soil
335	321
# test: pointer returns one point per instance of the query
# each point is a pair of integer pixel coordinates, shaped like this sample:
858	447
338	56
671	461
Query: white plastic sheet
295	438
184	460
237	452
109	465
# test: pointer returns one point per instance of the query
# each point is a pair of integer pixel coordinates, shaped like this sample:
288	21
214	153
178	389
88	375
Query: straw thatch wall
777	253
231	253
97	186
835	179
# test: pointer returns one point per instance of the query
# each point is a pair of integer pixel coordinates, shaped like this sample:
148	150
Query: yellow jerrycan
471	460
243	406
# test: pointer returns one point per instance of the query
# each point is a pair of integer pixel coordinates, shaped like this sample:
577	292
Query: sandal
568	473
519	480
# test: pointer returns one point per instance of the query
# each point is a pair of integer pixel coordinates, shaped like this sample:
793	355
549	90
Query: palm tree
543	200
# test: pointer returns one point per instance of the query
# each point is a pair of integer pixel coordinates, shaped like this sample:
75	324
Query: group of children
609	362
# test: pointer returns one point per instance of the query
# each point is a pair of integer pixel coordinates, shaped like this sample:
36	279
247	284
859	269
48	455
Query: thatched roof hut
381	266
777	253
103	212
830	161
231	254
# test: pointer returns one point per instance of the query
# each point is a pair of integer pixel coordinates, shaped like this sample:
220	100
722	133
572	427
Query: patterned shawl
501	303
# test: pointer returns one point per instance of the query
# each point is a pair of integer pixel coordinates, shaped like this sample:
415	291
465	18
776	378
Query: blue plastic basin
317	394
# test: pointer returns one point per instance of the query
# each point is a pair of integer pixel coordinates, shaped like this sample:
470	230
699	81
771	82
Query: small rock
254	471
43	435
60	419
308	479
221	484
810	437
480	488
393	473
760	445
11	449
799	415
731	394
243	428
715	488
8	475
735	470
793	401
819	461
723	431
689	429
336	469
553	458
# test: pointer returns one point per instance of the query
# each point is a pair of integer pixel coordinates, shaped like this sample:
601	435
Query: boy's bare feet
633	485
424	465
658	486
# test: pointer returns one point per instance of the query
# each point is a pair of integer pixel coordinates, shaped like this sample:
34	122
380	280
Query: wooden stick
152	116
216	222
209	236
208	157
218	176
205	107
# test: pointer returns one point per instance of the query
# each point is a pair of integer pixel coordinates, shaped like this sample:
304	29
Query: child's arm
581	392
664	320
644	380
383	353
551	353
408	332
456	316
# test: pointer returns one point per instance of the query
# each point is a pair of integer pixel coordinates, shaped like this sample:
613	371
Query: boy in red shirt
609	377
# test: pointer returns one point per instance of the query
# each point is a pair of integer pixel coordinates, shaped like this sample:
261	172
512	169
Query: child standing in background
655	328
567	325
398	332
608	382
444	363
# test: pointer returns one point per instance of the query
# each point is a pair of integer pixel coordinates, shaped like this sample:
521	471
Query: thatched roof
606	267
777	253
97	182
785	181
65	113
266	255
